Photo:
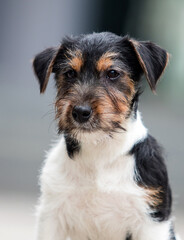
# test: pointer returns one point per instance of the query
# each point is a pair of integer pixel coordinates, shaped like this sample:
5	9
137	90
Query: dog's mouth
80	127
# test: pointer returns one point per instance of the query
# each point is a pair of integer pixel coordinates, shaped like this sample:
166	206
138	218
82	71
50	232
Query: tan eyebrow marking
105	61
76	61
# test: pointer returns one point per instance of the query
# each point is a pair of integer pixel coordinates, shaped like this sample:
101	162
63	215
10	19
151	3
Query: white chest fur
95	195
95	204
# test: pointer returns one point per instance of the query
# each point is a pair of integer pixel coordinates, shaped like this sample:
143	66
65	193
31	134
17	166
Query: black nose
81	114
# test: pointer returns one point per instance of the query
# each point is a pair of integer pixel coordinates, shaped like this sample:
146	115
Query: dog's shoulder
150	162
151	173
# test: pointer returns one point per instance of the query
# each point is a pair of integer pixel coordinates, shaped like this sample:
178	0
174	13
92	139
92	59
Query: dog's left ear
153	60
43	66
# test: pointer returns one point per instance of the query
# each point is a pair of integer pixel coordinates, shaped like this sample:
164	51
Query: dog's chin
94	136
87	135
91	132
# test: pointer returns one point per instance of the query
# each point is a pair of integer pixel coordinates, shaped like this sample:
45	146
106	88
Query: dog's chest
106	204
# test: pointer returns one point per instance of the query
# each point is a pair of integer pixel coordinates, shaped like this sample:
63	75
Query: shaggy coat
106	178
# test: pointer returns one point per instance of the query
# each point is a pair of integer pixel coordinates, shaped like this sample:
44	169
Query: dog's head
98	78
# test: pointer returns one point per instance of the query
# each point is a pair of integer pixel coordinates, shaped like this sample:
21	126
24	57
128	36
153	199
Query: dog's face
98	78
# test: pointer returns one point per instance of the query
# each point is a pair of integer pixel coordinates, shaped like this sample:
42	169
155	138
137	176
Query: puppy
106	178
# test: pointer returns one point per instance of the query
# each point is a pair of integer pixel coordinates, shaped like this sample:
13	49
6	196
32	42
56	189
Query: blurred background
27	125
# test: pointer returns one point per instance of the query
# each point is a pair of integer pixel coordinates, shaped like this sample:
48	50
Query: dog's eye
112	74
70	74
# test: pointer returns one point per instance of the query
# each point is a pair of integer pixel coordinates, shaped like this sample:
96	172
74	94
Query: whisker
50	125
50	112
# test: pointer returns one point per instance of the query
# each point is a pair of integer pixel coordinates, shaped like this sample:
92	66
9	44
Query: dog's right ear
43	65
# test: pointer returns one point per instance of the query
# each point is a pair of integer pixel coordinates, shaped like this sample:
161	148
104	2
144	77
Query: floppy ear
43	65
153	60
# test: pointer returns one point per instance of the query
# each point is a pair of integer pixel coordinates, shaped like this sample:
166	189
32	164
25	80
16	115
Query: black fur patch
72	146
128	237
151	173
41	66
134	104
153	60
172	234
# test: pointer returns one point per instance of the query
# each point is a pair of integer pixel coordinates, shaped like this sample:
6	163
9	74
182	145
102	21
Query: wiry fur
106	178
